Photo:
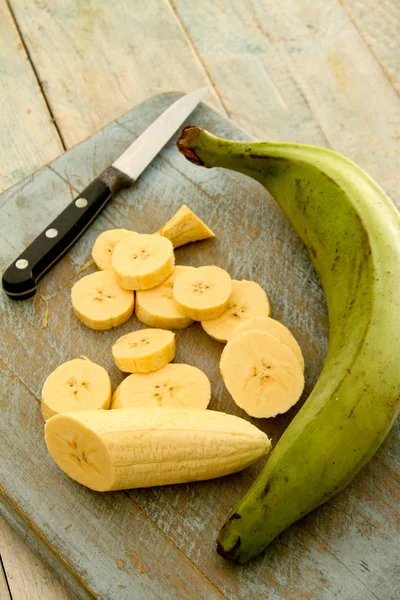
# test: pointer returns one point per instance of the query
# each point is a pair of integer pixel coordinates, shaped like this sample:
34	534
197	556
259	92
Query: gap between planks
4	585
193	47
40	541
301	91
36	74
368	47
27	575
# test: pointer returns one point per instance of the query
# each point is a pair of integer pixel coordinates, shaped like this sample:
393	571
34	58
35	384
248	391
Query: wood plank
317	556
252	76
105	538
378	23
300	72
4	589
28	136
98	60
33	541
27	577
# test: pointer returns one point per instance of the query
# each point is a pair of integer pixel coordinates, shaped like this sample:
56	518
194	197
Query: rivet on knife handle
20	279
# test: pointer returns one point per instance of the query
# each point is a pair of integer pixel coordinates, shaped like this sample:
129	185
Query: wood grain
28	137
378	23
324	555
96	62
32	537
299	71
27	577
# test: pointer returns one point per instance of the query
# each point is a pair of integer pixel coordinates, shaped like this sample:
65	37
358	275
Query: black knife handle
20	279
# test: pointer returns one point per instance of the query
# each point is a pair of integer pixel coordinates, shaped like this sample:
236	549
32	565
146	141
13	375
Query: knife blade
21	277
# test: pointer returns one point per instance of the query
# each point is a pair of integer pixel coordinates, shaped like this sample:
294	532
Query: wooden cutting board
160	543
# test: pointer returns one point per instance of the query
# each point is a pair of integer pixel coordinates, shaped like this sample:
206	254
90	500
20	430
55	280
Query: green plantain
352	232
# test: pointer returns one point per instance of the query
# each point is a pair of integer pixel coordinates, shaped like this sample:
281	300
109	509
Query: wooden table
325	72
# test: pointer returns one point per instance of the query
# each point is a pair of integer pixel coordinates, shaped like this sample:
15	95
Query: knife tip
201	92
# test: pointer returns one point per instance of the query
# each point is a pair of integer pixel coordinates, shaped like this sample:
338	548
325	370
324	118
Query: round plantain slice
157	308
173	386
144	350
104	245
262	374
276	328
203	293
77	384
143	261
99	302
248	299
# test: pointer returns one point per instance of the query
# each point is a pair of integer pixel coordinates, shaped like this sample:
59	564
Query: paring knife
20	279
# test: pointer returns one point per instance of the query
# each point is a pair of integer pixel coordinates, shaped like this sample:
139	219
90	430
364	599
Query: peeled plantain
352	232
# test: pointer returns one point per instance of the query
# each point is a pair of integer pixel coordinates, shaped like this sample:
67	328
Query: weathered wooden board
96	60
300	71
25	571
378	23
160	543
24	117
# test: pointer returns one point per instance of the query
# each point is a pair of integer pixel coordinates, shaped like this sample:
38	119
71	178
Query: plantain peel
352	232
